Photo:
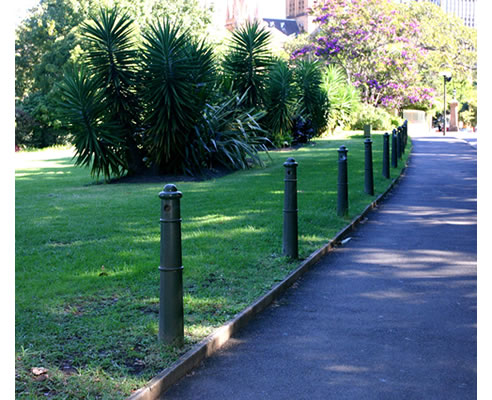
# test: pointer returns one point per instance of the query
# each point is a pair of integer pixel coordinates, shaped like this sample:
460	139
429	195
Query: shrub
468	113
343	97
25	126
377	117
229	136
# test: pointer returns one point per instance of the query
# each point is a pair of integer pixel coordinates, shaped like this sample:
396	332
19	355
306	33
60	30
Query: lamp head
447	76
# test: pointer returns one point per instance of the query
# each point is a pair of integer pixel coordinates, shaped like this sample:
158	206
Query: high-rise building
464	9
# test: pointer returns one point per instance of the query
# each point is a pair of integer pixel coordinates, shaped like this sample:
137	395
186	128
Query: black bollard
342	208
402	141
405	134
386	157
398	142
368	171
290	240
394	154
171	319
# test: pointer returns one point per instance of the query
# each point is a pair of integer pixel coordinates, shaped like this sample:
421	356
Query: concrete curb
208	346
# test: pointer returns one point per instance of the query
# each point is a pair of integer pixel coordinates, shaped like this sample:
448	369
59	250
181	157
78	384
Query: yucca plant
97	138
230	136
112	58
177	77
343	97
313	100
280	101
247	61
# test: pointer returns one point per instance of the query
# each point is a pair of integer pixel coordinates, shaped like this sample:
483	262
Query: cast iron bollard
405	134
290	241
368	176
342	182
394	154
398	142
171	320
402	141
386	160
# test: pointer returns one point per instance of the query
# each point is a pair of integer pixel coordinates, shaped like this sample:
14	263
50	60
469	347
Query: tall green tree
446	44
49	40
393	53
44	43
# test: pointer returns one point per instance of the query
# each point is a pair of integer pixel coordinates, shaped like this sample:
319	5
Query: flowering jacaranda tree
377	47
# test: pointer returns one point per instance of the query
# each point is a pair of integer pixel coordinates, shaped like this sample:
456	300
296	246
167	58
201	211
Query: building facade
240	11
296	9
464	9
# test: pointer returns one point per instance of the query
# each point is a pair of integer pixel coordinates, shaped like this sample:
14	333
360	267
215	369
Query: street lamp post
447	78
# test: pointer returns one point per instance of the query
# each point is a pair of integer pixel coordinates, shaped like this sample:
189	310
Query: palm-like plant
176	79
280	101
248	61
96	138
230	136
343	97
314	104
112	58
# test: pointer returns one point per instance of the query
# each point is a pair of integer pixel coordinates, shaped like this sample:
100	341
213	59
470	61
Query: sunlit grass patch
87	282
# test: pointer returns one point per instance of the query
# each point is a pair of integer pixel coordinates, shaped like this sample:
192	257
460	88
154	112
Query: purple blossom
374	83
301	52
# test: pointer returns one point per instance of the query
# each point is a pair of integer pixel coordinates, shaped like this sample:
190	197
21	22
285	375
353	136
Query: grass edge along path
87	256
165	379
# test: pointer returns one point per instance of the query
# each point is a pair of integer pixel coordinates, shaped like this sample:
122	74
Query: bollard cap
386	134
368	141
291	162
342	153
170	192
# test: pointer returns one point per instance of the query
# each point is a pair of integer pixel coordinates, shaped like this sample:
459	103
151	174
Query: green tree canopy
446	45
49	39
392	52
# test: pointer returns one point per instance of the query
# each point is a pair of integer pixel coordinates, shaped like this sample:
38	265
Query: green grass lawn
87	282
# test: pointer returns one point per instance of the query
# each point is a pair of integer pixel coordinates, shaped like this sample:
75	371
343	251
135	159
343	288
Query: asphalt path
391	314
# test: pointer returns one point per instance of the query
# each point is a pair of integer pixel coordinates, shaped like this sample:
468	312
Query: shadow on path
392	314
